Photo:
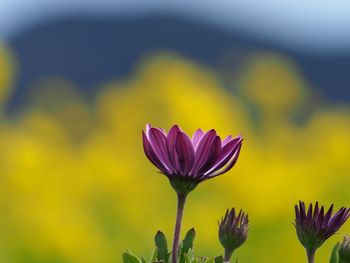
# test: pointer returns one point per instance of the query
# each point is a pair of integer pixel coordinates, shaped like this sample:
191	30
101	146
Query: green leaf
143	260
182	258
130	258
335	255
219	259
187	243
188	259
153	255
162	246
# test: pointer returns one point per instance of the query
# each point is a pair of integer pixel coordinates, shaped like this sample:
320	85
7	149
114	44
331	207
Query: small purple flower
193	160
233	231
315	226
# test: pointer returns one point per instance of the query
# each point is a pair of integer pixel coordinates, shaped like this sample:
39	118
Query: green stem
311	256
227	255
181	199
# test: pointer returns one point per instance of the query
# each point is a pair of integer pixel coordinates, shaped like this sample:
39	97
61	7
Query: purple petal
171	147
185	153
158	142
297	214
214	151
230	164
148	127
175	126
161	130
151	154
316	212
317	217
302	209
338	219
309	213
227	140
328	215
198	134
172	132
225	155
321	218
347	213
202	151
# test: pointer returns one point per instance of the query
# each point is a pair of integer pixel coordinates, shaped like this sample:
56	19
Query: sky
302	24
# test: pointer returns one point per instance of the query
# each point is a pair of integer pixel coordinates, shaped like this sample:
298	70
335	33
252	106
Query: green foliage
161	254
187	244
189	257
130	258
335	254
162	246
153	255
335	257
219	259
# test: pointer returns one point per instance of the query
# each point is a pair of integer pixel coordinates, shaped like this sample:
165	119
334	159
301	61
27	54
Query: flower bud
315	226
233	231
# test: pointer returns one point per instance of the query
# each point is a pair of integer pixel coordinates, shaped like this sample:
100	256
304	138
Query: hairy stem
181	199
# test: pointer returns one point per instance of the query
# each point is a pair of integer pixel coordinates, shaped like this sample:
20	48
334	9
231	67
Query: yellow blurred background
75	185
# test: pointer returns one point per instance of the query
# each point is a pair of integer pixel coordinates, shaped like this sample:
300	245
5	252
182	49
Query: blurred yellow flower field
75	185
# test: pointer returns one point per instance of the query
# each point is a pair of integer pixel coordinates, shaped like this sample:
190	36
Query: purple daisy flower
315	226
188	161
195	159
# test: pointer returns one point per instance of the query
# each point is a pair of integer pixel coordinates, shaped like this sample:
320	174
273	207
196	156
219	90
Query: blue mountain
90	51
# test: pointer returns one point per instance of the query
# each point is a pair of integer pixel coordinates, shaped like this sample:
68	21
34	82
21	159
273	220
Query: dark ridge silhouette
90	51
